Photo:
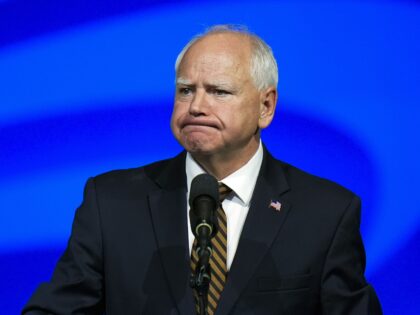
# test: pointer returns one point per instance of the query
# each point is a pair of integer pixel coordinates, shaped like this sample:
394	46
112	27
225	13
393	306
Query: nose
198	105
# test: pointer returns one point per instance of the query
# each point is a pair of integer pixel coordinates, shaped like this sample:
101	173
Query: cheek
177	112
175	120
245	118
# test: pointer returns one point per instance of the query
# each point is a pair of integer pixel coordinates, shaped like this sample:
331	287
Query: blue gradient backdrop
87	86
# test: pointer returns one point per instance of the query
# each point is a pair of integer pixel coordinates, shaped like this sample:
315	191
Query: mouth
198	123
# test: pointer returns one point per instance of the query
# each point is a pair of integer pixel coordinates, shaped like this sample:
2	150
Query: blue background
87	86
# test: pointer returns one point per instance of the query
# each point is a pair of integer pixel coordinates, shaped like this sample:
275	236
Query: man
293	241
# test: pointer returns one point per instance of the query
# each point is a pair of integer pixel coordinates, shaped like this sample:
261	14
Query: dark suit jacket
128	251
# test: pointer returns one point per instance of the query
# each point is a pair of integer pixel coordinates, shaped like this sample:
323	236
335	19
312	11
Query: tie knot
223	191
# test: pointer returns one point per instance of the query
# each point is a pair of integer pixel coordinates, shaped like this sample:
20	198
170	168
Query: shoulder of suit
124	178
308	184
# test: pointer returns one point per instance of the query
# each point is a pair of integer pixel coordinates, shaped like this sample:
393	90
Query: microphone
204	199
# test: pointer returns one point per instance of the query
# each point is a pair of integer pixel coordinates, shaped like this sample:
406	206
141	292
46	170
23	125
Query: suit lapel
260	229
168	211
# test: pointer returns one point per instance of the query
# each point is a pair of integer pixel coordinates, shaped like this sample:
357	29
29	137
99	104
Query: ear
268	101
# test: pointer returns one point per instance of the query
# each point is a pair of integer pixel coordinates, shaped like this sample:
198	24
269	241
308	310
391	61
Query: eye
185	91
220	92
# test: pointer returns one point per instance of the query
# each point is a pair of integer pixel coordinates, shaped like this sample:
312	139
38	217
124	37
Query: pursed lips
198	123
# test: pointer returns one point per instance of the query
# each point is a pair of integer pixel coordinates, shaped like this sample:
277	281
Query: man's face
217	107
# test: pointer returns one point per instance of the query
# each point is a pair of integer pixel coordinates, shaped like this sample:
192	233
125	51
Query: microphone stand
200	281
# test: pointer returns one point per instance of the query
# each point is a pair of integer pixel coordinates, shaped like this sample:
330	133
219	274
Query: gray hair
263	70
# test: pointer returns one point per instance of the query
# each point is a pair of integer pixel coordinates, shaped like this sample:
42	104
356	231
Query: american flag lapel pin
276	205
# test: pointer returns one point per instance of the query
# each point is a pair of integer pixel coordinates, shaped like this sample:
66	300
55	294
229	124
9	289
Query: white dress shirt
236	205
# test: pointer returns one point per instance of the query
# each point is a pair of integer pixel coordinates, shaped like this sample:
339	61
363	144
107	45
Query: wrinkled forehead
218	54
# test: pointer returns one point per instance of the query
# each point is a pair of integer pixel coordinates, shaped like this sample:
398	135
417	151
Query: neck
223	164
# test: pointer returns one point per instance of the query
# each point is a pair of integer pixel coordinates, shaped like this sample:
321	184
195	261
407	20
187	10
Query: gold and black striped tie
218	257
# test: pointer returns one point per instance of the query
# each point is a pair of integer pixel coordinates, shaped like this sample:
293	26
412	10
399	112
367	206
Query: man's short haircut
263	69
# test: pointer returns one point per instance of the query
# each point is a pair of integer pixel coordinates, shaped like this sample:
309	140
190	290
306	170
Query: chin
196	147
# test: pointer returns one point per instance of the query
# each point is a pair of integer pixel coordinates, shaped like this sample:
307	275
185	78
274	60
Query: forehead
223	54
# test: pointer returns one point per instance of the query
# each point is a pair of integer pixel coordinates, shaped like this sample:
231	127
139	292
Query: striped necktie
218	257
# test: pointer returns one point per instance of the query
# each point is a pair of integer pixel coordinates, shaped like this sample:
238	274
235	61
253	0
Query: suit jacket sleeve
344	289
76	286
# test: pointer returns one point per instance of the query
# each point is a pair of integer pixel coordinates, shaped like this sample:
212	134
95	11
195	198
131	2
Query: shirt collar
242	181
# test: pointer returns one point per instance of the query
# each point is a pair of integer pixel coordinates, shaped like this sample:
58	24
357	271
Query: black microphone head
204	185
204	200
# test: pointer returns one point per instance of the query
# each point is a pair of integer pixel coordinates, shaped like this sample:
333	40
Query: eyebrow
216	84
183	81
